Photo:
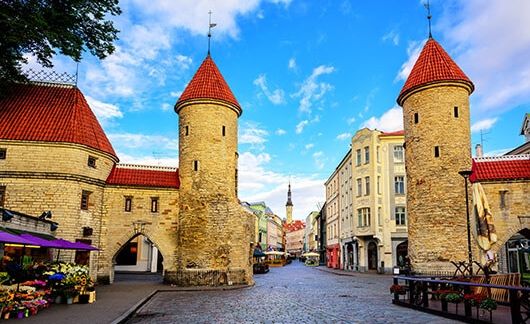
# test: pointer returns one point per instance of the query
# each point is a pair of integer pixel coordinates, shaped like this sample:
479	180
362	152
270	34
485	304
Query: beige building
275	233
294	237
55	156
311	232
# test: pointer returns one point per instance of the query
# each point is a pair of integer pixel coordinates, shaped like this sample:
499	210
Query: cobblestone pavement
292	294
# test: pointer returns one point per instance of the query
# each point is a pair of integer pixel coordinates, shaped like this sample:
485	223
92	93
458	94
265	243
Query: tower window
195	165
2	195
416	118
85	195
154	204
224	130
3	154
187	130
436	151
128	204
91	162
456	111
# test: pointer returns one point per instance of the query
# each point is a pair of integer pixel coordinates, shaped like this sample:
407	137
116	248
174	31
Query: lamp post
466	174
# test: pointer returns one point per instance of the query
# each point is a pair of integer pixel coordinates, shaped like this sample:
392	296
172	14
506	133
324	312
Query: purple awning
67	245
11	238
42	242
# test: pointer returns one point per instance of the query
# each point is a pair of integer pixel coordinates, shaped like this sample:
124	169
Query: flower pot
6	315
58	299
69	300
83	299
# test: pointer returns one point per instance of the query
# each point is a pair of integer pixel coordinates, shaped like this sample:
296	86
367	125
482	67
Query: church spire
289	202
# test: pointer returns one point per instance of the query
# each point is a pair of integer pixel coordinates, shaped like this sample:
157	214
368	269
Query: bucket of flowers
397	289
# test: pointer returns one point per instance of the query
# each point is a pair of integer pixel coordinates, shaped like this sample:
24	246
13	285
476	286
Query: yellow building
57	157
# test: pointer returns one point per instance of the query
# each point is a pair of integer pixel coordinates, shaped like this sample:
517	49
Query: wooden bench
499	295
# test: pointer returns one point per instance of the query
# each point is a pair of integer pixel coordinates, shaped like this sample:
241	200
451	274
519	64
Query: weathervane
210	26
429	16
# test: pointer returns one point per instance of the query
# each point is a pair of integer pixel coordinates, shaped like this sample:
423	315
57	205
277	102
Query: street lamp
466	174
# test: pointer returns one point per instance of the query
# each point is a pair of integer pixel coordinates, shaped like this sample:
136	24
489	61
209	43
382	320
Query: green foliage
488	304
40	27
453	298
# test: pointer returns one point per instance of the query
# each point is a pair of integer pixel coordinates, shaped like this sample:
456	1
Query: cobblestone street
294	293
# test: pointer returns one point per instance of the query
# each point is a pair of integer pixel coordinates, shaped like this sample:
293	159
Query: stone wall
119	226
435	190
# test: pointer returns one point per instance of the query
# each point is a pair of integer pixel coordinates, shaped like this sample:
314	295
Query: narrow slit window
128	204
224	130
436	151
187	130
455	109
195	165
154	204
416	118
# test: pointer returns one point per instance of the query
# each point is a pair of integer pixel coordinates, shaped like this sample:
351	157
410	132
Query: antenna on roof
210	26
429	16
76	73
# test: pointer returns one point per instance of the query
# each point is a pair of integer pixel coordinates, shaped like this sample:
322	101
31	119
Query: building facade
311	232
294	237
332	221
191	215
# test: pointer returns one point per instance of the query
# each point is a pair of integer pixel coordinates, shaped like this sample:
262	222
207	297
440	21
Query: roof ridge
516	157
144	167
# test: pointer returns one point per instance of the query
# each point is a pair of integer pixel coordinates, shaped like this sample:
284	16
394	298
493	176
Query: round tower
213	235
435	101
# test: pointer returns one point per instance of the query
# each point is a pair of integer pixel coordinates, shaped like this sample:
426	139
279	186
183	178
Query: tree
40	27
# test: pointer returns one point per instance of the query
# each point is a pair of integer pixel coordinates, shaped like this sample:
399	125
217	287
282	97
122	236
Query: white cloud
498	152
311	90
148	160
175	94
391	36
166	106
413	52
183	62
491	42
104	111
280	132
344	136
350	120
276	97
134	142
318	158
258	183
292	63
483	125
391	120
309	146
252	134
300	126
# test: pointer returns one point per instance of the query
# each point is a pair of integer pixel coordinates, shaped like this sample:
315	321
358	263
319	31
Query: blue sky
308	75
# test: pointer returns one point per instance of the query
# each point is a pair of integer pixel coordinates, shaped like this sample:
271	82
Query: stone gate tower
214	234
435	101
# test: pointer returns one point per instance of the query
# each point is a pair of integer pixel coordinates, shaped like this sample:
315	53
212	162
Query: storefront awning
41	240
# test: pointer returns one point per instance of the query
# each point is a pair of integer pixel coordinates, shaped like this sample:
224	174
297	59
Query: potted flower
453	297
397	289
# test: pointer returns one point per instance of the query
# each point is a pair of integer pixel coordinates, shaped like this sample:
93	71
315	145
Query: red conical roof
208	83
51	113
433	65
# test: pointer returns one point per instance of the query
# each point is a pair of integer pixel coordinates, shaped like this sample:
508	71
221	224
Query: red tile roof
208	83
50	113
132	175
294	226
507	167
433	65
396	133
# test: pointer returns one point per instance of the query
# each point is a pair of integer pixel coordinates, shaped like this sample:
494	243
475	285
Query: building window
399	153
128	204
379	216
363	216
401	216
455	111
366	155
2	195
399	185
436	151
85	199
91	161
224	130
378	185
186	130
154	204
378	155
359	187
358	157
195	165
416	118
3	153
367	182
503	198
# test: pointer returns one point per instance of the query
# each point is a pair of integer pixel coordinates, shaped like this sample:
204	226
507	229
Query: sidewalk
340	272
112	303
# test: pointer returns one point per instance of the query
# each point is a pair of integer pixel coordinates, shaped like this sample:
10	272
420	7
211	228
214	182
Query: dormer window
91	162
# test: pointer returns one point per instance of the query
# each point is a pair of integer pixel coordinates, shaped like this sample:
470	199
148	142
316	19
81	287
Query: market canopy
311	254
25	238
12	238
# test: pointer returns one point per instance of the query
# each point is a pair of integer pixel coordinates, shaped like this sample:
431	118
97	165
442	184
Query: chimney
478	150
